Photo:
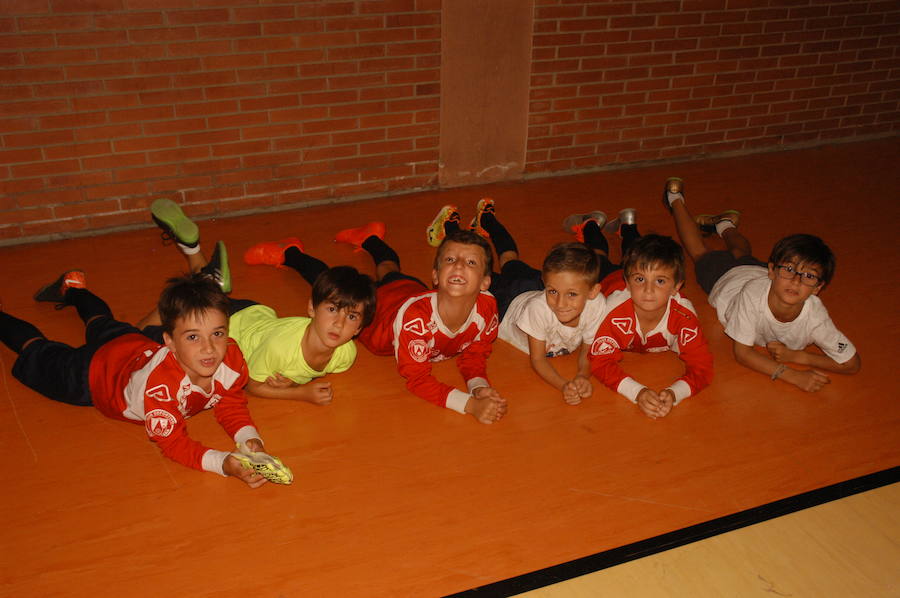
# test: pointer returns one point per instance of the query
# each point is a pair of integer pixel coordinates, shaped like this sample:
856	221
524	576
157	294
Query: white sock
673	196
724	225
189	250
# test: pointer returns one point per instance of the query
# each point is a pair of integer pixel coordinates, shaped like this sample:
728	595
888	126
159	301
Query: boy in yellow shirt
285	356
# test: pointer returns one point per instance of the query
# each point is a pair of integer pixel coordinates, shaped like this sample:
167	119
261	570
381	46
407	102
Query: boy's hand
576	389
655	405
486	405
279	381
808	380
781	353
570	393
667	401
232	467
584	386
319	392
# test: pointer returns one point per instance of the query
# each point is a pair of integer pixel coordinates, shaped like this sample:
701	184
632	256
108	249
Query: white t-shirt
741	301
529	314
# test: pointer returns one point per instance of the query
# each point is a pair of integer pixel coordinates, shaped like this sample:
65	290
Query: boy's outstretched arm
782	354
808	380
318	392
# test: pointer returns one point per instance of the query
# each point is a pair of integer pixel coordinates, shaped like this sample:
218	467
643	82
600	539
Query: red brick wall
230	105
618	82
227	105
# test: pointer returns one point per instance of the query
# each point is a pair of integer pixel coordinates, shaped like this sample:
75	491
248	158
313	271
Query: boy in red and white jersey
458	318
128	376
645	313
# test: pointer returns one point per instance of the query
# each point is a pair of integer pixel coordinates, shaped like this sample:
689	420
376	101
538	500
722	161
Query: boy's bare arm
540	363
782	354
537	353
808	380
318	392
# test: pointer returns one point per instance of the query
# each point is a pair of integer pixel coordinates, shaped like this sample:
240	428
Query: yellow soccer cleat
264	464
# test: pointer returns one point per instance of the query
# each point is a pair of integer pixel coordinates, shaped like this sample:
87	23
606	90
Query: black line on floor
687	535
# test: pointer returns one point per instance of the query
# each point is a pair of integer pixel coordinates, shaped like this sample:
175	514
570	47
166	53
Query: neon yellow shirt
271	344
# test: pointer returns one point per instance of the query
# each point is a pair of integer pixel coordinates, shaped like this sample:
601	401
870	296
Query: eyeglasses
788	272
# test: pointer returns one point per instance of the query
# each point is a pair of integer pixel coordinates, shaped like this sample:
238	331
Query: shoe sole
169	216
435	232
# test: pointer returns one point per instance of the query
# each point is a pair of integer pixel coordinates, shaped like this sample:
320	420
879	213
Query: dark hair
654	250
346	288
805	249
466	237
573	257
190	295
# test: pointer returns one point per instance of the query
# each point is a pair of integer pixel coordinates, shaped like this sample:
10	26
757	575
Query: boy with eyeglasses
774	305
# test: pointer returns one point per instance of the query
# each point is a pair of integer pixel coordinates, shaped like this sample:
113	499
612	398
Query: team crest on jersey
495	322
625	325
416	326
418	349
604	345
464	346
159	422
687	335
159	393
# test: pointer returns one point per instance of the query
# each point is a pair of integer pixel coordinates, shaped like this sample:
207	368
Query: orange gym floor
394	497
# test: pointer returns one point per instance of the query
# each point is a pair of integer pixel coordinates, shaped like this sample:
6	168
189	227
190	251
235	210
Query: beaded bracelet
778	371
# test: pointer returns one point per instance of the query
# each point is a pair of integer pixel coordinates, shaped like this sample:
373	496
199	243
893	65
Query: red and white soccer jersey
678	330
407	324
134	379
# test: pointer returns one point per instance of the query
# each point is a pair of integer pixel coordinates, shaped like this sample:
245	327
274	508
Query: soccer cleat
271	253
626	216
357	236
436	231
485	206
673	189
574	223
707	222
175	225
217	267
264	464
55	292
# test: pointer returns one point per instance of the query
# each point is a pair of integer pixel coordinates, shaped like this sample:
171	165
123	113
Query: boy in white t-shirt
553	311
774	305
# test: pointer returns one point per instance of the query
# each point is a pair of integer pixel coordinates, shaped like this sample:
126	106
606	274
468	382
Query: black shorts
61	372
515	277
711	266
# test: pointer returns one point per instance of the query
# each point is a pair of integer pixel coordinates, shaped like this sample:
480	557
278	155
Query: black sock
500	237
15	332
381	251
629	234
88	304
308	266
451	226
593	237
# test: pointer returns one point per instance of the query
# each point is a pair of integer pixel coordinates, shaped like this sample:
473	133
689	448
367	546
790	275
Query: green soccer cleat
175	225
264	464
